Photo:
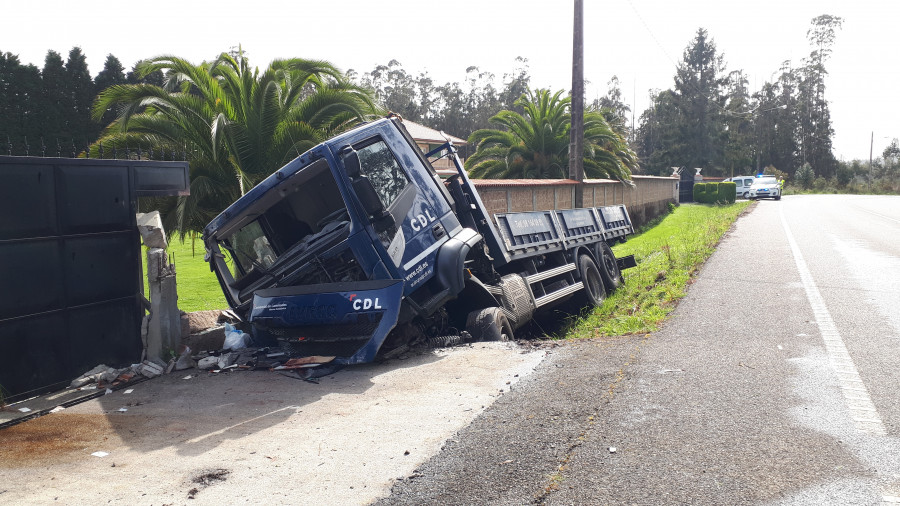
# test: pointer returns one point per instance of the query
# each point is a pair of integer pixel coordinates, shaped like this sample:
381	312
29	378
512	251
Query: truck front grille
339	339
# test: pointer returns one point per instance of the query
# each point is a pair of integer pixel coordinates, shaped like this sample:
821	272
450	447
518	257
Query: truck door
411	244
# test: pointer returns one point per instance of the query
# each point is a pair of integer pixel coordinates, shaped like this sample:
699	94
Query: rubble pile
243	359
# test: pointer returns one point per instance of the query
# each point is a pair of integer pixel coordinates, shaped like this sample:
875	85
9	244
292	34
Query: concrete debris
226	359
151	369
91	376
208	363
184	360
150	226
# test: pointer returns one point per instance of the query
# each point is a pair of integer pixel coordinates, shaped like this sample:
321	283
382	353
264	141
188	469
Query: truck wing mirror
367	196
371	202
351	162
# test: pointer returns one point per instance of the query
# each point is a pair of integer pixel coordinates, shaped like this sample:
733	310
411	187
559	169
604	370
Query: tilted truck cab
358	245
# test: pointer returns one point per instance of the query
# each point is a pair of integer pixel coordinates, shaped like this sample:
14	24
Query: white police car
764	187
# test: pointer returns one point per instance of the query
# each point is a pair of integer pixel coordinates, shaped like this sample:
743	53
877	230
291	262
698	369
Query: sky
639	41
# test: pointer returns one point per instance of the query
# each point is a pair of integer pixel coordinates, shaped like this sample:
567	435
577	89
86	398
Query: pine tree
80	88
699	81
55	101
113	73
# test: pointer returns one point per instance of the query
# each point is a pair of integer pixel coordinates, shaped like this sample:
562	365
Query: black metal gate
686	186
70	265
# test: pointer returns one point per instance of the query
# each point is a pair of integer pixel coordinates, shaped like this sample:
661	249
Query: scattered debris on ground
205	479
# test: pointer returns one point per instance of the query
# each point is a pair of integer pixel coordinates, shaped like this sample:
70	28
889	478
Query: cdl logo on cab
364	304
421	221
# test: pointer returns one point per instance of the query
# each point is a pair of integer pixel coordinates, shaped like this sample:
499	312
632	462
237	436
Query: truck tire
609	268
489	324
593	293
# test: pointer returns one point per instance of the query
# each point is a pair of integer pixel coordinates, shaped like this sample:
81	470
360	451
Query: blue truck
358	247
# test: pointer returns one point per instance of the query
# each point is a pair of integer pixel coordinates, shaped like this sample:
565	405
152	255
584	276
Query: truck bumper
347	320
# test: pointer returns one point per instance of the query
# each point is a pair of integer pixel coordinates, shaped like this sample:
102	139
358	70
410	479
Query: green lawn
668	255
198	288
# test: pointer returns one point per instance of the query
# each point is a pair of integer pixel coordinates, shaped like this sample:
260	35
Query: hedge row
712	193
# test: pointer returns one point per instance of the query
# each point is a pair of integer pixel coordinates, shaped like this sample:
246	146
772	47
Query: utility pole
871	145
576	131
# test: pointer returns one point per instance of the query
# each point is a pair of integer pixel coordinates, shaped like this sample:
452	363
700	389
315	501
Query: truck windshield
249	249
290	217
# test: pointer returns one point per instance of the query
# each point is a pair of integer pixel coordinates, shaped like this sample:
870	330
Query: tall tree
739	138
20	94
776	122
134	76
56	101
619	111
113	74
239	125
658	138
515	84
80	87
816	131
535	144
699	82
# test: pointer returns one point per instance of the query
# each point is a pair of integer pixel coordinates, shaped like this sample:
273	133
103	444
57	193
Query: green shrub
726	192
700	193
805	176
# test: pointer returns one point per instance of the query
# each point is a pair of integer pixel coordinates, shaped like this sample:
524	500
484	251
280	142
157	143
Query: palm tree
535	144
237	124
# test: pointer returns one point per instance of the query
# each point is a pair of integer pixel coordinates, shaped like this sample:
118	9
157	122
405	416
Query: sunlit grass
198	288
668	255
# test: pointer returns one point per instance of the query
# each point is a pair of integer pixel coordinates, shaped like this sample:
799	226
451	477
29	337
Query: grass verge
668	255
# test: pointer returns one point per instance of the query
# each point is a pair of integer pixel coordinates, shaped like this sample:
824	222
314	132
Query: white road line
862	409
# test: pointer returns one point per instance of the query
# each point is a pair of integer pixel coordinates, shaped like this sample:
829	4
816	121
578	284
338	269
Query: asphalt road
774	383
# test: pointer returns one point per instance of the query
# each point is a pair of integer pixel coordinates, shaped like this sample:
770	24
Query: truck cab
336	239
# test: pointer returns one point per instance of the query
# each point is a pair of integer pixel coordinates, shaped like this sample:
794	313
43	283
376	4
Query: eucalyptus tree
619	111
816	131
740	141
237	124
535	143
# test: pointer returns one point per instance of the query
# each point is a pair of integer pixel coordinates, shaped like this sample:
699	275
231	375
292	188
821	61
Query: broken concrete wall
161	330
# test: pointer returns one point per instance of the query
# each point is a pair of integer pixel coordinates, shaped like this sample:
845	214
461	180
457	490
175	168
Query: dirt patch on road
59	437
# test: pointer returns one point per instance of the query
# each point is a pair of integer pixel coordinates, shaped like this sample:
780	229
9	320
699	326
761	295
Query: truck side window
378	163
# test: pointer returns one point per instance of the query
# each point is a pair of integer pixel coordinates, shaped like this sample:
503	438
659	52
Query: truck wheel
609	268
593	292
489	324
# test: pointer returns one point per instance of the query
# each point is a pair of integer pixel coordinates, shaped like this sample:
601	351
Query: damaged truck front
358	246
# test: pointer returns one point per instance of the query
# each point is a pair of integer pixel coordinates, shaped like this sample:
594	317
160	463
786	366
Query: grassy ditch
668	254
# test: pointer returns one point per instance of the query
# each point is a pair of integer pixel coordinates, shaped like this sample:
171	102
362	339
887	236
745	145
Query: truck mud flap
626	262
347	320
